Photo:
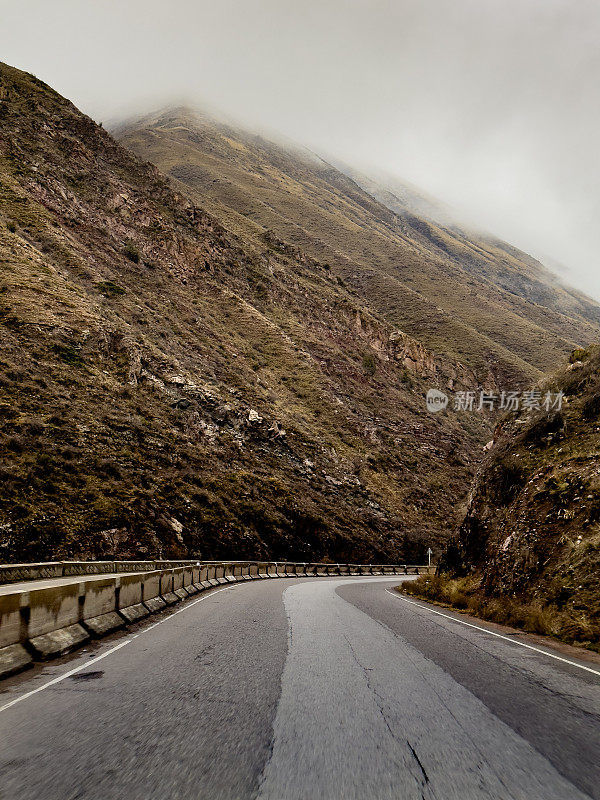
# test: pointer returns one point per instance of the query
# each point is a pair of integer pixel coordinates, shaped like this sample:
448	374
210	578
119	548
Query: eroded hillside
466	297
532	532
169	387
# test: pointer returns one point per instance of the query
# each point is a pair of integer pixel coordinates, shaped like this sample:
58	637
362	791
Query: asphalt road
304	689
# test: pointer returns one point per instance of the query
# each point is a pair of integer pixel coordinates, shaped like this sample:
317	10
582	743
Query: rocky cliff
532	531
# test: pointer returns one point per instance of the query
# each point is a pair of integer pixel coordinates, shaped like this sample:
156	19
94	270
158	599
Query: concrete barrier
203	578
167	587
178	577
189	580
134	566
54	616
10	619
212	576
98	607
220	573
50	620
13	656
151	598
130	603
12	573
52	608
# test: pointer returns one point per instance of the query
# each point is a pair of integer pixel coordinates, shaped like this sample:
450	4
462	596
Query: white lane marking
493	633
108	652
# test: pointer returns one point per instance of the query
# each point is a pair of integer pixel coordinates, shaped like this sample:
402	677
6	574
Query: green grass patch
110	289
131	252
69	355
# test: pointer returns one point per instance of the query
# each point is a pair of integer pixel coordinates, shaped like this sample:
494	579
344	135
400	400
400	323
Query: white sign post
429	554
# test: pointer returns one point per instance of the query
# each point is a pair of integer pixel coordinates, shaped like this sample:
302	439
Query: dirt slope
169	387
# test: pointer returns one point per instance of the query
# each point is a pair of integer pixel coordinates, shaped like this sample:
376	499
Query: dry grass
534	616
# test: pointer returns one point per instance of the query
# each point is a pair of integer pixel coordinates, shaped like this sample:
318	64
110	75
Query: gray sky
491	105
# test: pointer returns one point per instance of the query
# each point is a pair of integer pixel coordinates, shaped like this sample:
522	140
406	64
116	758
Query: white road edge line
398	596
89	663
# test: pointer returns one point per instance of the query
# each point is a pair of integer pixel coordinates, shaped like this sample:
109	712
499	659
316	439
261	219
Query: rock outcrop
532	530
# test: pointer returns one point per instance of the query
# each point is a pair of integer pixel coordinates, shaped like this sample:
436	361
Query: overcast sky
491	105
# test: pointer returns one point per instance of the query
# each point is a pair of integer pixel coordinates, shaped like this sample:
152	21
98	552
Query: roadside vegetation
533	616
528	551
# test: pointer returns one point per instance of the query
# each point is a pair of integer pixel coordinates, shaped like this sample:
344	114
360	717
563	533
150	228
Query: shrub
15	444
579	354
507	479
69	355
534	616
369	364
544	428
563	491
110	289
591	408
131	252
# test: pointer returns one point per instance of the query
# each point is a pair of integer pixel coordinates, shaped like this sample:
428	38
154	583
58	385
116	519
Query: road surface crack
418	760
435	691
380	703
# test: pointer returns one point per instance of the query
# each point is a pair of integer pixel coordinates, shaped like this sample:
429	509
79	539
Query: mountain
532	531
170	386
225	361
432	225
467	297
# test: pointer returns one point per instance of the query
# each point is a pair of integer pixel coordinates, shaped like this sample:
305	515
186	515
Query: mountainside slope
532	531
168	388
431	226
473	300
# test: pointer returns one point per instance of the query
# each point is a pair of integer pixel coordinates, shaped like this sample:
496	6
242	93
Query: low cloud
492	105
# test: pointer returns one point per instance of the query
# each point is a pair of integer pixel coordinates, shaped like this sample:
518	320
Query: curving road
305	689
